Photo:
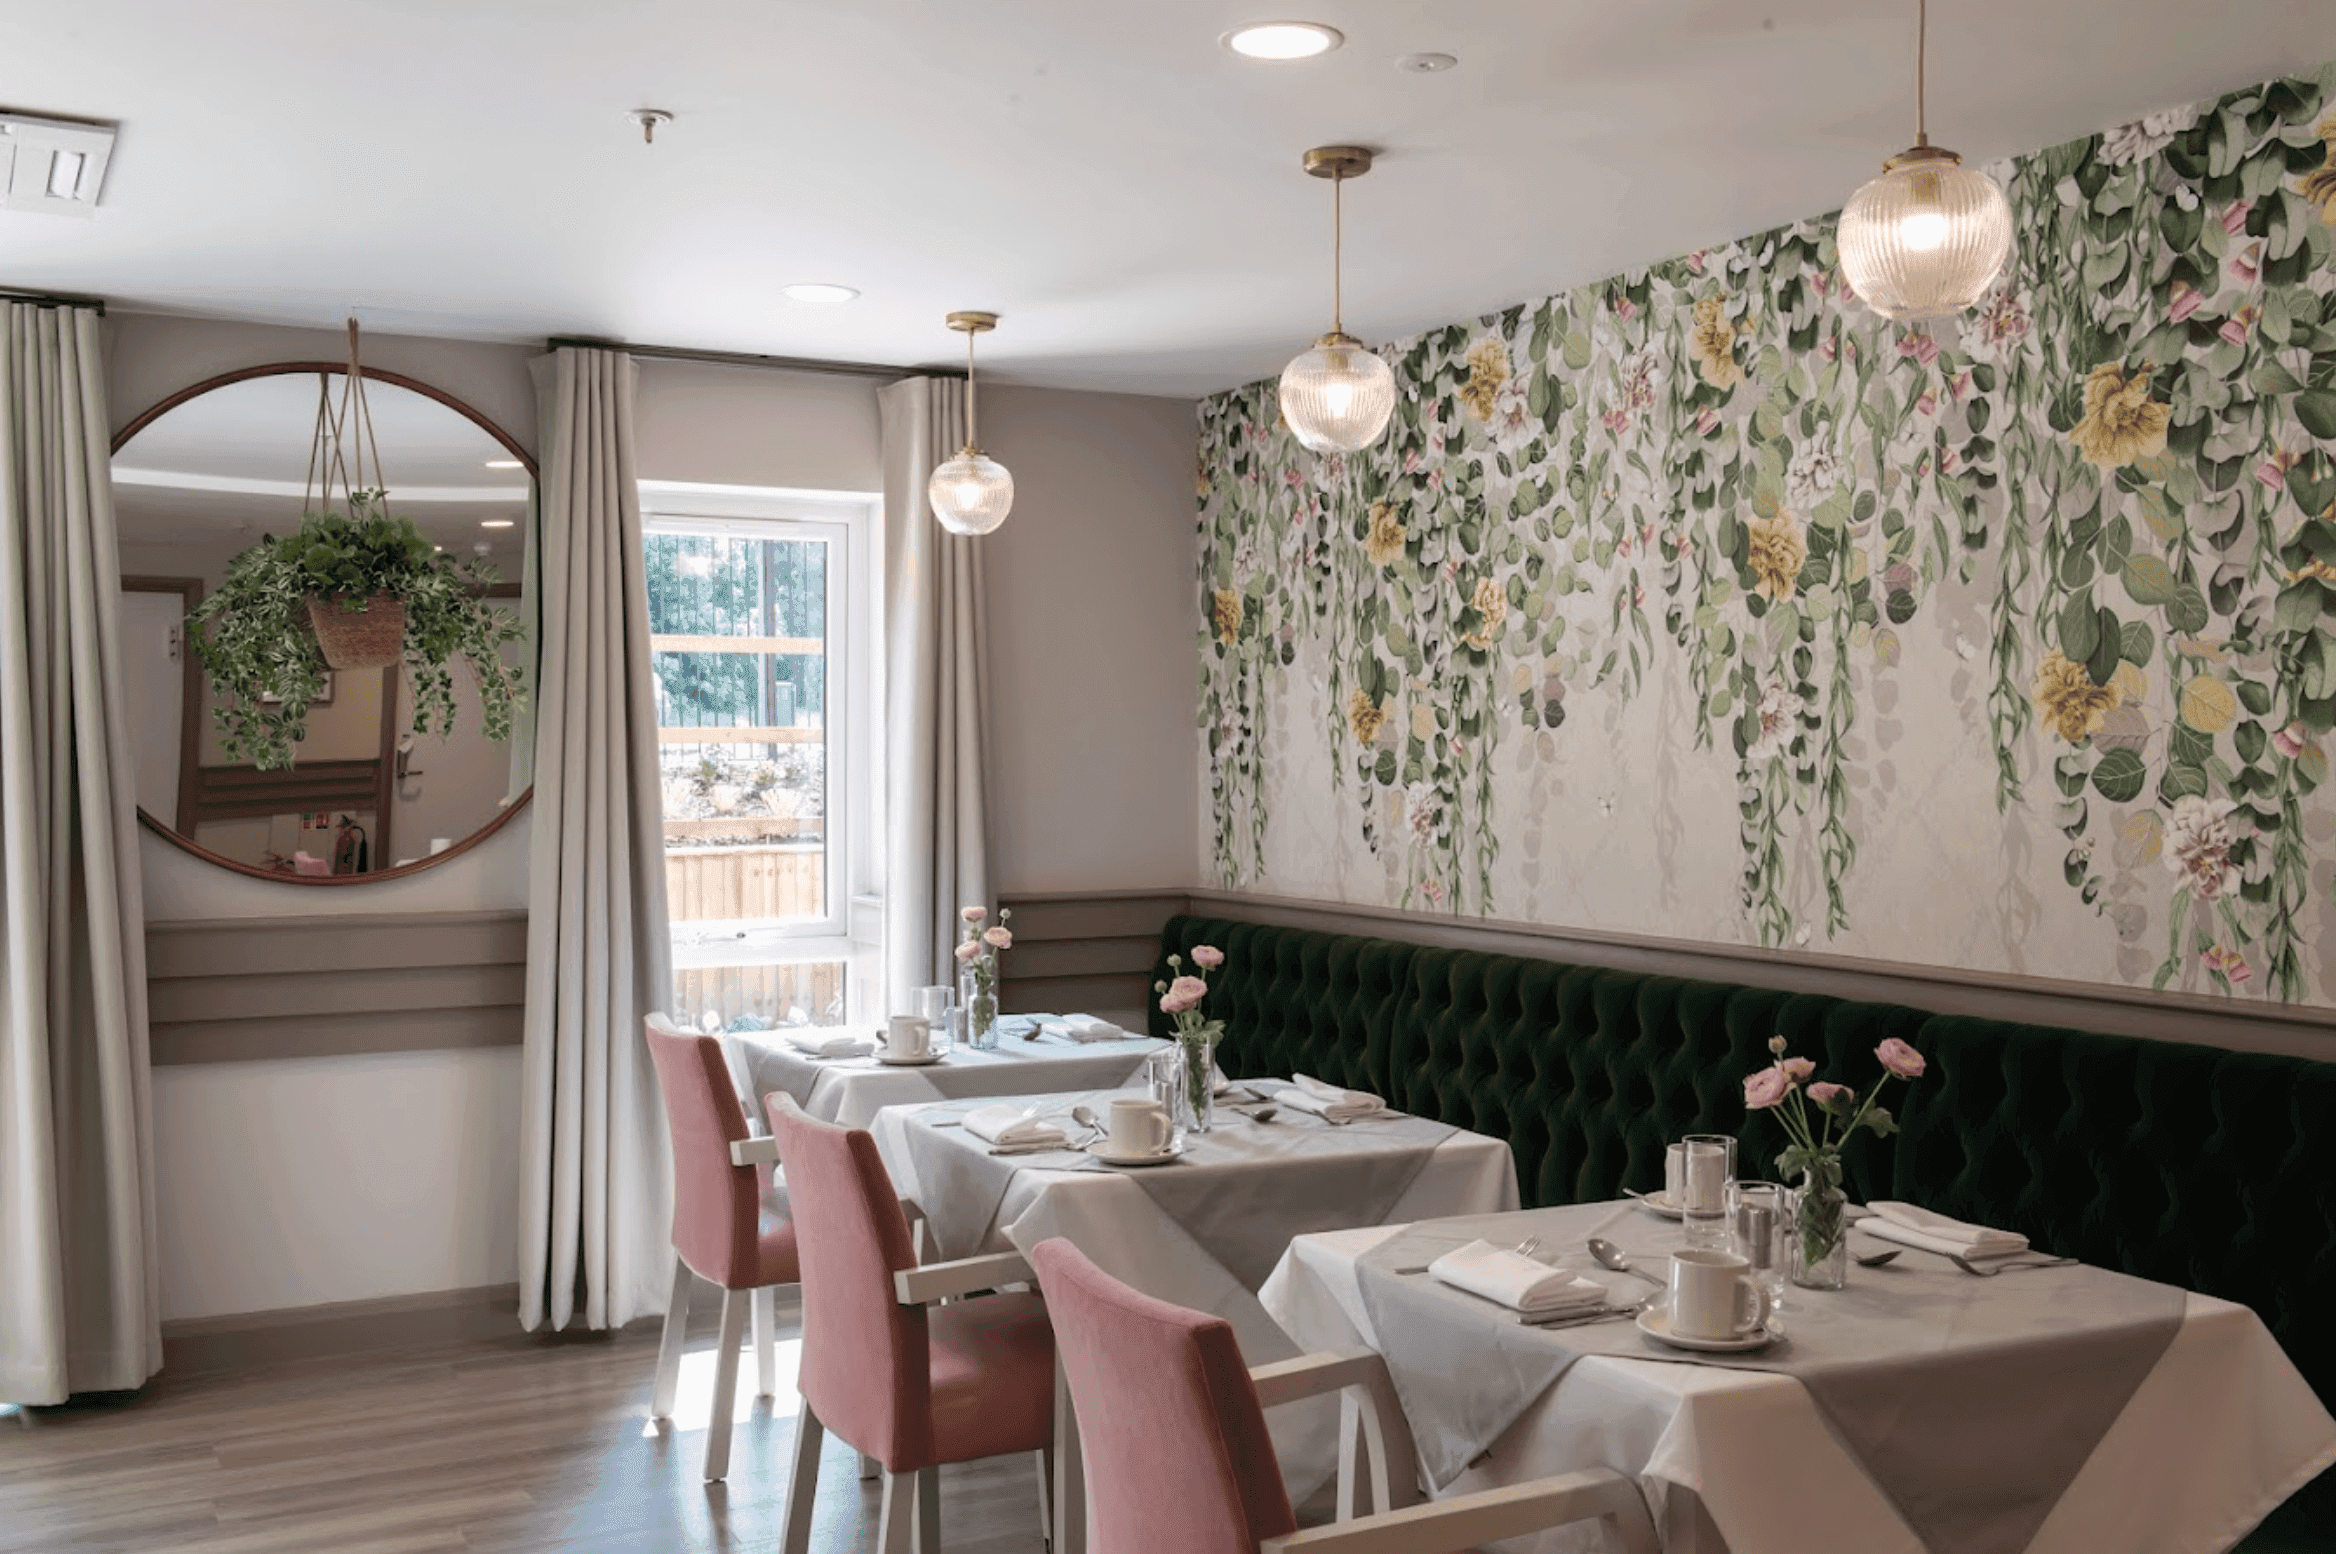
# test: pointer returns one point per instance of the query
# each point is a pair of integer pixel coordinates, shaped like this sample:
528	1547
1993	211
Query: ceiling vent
54	166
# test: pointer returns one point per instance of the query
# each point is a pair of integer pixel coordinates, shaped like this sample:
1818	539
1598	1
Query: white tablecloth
851	1091
2220	1432
1109	1216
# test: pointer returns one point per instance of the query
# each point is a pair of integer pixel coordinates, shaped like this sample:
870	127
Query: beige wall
750	426
1091	642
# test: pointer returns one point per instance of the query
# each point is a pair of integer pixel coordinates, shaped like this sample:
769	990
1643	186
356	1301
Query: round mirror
361	793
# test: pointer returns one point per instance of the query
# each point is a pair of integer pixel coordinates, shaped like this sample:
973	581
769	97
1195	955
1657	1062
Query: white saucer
1661	1205
1655	1322
1105	1153
926	1061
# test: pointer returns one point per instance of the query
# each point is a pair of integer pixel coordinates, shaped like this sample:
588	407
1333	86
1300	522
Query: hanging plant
356	590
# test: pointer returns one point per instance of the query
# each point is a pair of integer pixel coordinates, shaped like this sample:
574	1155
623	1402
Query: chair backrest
866	1369
1178	1459
715	1204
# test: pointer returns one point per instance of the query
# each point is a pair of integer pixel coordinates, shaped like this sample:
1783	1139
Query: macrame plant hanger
354	633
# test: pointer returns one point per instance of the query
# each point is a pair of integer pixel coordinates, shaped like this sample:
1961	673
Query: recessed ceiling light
496	523
505	464
819	293
1283	40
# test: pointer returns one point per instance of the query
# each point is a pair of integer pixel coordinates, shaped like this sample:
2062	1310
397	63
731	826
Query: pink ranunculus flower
2292	739
1764	1089
1183	993
2185	301
1002	937
968	952
1824	1092
1900	1059
974	914
1207	956
1798	1070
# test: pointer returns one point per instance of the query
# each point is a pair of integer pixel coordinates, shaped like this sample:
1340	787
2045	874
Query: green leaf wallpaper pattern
2004	643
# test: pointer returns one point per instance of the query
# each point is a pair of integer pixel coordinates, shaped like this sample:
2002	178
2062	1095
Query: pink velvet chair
726	1229
905	1381
1178	1460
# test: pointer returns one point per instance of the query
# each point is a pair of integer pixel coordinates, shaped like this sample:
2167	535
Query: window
761	648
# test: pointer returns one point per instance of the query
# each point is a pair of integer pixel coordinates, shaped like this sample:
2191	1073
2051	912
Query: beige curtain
596	1190
936	834
79	1309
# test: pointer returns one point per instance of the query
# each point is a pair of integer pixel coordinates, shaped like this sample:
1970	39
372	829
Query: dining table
1921	1409
1034	1053
1206	1229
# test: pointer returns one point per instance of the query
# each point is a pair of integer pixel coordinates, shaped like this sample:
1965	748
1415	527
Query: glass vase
1196	1091
1820	1243
977	995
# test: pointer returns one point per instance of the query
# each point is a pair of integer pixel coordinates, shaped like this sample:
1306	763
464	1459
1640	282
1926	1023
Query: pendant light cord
1921	71
969	448
1337	253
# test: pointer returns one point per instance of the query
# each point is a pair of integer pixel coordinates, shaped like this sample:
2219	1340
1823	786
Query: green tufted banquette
2210	1169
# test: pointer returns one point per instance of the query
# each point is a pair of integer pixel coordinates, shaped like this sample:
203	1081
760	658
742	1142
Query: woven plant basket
370	637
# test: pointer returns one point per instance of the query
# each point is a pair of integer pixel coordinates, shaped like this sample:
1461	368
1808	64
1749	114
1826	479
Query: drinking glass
931	1004
1164	1082
1708	1162
1761	1223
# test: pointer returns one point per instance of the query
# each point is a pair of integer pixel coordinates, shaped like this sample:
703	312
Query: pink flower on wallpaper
1922	346
1638	594
2272	472
1616	421
1411	462
1624	308
1949	460
2185	301
1929	403
1821	282
2229	962
2234	216
1433	890
2246	264
2292	739
1707	420
1695	260
2234	329
1960	385
1764	1089
1829	348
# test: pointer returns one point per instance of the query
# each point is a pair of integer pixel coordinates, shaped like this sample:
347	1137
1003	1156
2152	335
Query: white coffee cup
908	1036
1139	1127
1715	1296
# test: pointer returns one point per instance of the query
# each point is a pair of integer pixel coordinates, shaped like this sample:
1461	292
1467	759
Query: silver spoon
2006	1266
1610	1256
1877	1259
1085	1117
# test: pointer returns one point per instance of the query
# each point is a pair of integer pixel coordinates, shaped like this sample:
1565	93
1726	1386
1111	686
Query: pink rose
1207	956
1798	1070
968	952
2186	301
1183	993
1900	1059
1003	938
2234	216
2291	740
973	914
1764	1089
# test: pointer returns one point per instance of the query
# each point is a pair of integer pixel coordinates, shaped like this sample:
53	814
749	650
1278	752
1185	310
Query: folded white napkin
1085	1027
1013	1127
1910	1226
1326	1100
1515	1280
825	1041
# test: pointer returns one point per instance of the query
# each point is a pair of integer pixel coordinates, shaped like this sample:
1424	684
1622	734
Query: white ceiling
1100	172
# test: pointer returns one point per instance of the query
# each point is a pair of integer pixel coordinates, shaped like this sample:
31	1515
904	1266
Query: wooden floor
511	1444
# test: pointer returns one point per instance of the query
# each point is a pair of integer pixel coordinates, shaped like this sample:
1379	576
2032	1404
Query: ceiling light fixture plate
1339	161
972	323
650	120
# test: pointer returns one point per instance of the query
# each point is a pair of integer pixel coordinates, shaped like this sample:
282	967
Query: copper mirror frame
147	417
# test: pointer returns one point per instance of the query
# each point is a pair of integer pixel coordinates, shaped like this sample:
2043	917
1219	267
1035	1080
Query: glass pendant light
1929	237
1337	397
971	493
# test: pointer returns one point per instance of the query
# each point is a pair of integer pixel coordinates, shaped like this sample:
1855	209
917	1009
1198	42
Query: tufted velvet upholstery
2085	1142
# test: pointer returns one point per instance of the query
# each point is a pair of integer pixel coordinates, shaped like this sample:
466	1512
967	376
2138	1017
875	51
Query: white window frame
853	523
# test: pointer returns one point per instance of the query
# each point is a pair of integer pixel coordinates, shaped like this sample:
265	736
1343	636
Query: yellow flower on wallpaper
1491	605
2122	424
1228	616
2319	185
1365	717
2069	701
1712	342
1385	541
1779	551
1488	374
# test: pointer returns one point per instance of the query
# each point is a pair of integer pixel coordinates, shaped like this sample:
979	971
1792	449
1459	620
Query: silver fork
1983	1272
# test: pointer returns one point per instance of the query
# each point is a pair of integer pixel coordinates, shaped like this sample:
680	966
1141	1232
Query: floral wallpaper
1703	602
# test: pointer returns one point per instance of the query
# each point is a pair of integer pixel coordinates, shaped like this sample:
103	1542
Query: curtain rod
52	299
671	353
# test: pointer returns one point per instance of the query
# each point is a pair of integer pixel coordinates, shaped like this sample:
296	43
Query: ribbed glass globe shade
1926	239
971	494
1337	397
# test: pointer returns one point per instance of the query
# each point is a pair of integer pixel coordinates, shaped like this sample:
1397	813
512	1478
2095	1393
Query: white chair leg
870	1468
766	1342
802	1480
669	1347
727	1359
1069	1522
1045	1456
928	1511
896	1527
